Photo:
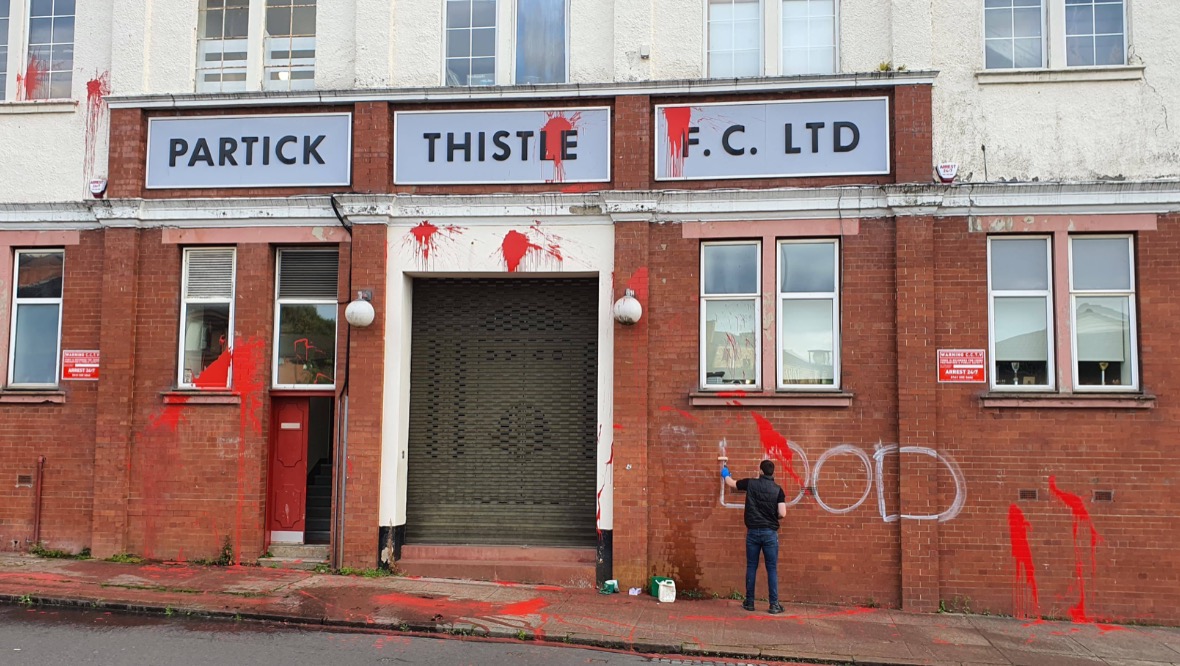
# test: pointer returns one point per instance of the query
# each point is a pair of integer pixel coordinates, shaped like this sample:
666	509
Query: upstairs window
37	63
731	303
541	32
305	319
35	339
1095	33
809	37
471	42
207	318
809	314
735	38
232	49
1034	34
1013	32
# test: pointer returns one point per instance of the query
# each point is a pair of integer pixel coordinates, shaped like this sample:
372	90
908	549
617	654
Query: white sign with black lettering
504	146
303	150
830	137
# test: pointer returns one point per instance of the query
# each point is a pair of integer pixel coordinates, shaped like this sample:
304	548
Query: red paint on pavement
776	447
1080	515
676	120
1022	555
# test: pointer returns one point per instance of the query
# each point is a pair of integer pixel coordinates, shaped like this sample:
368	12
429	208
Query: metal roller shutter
503	412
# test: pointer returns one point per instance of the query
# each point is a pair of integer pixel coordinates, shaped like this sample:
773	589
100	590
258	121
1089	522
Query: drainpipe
37	499
340	465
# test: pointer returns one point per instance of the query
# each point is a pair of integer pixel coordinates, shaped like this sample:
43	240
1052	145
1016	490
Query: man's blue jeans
765	542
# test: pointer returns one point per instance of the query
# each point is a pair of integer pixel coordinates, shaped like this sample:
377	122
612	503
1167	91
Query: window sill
39	106
33	396
1066	75
185	397
1068	400
770	399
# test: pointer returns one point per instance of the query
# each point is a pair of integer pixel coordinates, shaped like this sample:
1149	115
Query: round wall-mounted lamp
360	313
627	309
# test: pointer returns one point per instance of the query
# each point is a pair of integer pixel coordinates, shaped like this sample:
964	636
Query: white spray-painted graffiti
874	470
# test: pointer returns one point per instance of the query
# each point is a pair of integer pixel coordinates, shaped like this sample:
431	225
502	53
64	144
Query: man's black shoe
748	605
775	609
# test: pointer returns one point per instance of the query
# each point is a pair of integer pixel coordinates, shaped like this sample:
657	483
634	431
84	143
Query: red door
288	469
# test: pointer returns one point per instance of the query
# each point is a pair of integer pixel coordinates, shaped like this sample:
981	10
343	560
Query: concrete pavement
715	627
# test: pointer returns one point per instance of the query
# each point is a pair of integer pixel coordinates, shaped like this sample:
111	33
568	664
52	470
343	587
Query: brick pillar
631	520
372	141
917	411
632	144
127	157
112	445
913	134
366	378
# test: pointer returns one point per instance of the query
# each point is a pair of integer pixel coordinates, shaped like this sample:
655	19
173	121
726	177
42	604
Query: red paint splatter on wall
638	283
97	90
776	447
670	408
1080	515
1022	555
426	237
216	374
248	384
551	242
676	121
556	129
28	85
515	248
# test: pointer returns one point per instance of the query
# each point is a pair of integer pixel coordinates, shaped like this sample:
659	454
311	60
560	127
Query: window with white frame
541	37
470	42
808	37
1021	303
1013	34
35	338
1095	33
240	40
731	303
808	314
207	317
806	305
1032	34
1102	305
1102	330
305	319
36	49
735	38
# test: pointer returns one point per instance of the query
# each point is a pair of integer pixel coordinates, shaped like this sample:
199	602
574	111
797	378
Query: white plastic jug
667	591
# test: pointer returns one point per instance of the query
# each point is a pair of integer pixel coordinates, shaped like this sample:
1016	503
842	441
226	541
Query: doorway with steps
299	503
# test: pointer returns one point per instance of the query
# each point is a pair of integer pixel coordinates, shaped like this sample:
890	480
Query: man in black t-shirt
766	504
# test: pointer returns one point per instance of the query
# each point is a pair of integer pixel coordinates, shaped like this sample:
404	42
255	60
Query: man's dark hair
767	467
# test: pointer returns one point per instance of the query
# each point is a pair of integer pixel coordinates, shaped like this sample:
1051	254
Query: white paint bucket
667	591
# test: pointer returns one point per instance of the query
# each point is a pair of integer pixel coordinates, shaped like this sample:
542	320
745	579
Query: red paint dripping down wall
676	120
426	238
1025	583
97	90
1080	515
776	447
555	130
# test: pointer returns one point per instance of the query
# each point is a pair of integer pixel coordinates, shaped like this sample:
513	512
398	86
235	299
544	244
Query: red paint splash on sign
97	90
776	447
426	236
555	131
1022	555
1080	515
29	83
676	120
514	248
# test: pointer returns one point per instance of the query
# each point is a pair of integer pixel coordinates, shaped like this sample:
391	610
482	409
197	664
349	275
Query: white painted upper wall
1052	124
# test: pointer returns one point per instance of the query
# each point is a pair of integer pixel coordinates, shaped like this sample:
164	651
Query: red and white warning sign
962	365
79	364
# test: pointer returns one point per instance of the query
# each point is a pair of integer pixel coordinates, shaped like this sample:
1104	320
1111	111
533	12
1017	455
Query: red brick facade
134	466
